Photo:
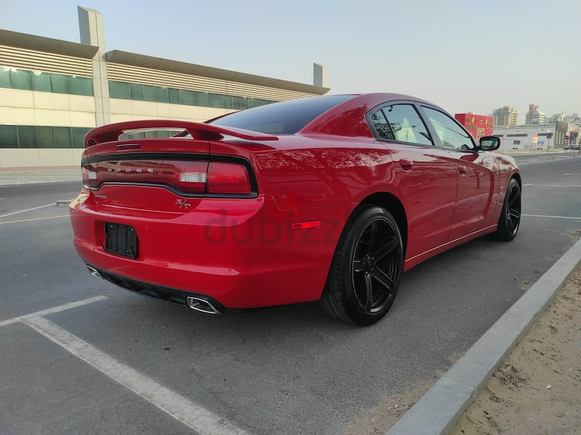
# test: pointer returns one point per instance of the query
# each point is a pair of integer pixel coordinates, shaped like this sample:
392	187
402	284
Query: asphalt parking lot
82	356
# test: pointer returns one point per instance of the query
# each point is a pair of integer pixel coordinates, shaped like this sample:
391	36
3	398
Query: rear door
477	174
426	175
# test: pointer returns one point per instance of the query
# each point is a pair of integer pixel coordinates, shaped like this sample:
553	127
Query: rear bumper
167	294
237	254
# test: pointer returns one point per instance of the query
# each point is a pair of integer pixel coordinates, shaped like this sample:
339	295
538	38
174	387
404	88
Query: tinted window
382	129
406	124
450	133
21	79
45	137
5	78
8	136
59	84
119	90
136	91
80	86
62	137
287	117
40	82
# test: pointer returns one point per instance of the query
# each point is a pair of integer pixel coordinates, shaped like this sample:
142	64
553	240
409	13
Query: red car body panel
275	245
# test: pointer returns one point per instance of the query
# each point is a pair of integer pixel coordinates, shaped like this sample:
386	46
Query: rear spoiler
111	132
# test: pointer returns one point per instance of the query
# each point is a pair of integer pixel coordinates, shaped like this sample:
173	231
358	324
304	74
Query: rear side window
381	125
400	122
287	117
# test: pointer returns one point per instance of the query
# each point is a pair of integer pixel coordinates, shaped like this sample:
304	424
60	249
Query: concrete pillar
93	33
320	75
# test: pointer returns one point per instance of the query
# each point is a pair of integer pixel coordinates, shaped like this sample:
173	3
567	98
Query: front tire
366	269
509	221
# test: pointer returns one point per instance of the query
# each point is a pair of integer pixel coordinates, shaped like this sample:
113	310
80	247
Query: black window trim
421	115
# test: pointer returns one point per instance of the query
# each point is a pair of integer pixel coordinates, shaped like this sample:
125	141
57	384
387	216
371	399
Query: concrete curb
438	411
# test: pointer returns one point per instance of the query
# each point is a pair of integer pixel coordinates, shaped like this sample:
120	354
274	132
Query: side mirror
489	143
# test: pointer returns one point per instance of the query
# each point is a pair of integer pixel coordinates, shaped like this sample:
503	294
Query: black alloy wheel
509	221
366	270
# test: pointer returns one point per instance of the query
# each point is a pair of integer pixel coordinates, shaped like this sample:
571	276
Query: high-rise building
505	117
534	115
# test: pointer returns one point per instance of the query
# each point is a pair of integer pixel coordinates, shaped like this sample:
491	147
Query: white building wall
46	108
523	137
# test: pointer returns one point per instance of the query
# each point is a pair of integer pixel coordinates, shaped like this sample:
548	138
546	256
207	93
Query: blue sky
466	56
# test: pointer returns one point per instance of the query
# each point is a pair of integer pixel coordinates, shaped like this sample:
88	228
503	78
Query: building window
158	94
30	136
14	78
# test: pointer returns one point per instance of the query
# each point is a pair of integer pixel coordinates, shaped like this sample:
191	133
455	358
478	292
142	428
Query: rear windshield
287	117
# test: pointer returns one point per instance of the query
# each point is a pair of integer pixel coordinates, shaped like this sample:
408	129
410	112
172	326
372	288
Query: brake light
227	178
184	176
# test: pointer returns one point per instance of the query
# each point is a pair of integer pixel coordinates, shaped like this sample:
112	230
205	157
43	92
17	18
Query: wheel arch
517	177
393	205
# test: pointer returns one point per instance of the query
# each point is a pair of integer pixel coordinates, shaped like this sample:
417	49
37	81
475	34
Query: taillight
184	176
227	178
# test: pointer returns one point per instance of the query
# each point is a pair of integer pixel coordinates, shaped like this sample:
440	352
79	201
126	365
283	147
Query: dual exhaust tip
194	302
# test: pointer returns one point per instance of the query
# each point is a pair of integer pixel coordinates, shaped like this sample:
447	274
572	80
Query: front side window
451	135
406	125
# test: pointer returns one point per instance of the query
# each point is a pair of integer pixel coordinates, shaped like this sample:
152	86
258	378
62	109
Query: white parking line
53	310
575	218
180	408
550	185
28	209
35	219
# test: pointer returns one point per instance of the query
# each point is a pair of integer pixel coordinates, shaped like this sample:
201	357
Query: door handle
406	164
462	170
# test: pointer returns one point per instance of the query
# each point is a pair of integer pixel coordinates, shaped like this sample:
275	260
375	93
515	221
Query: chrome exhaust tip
94	272
201	305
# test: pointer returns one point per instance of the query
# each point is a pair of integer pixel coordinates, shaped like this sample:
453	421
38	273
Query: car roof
348	117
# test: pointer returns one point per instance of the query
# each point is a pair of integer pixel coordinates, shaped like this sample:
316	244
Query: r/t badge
183	203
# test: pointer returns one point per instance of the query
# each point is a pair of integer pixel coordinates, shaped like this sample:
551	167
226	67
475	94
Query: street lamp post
548	139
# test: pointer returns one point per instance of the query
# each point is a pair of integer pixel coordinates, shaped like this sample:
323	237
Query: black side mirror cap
489	143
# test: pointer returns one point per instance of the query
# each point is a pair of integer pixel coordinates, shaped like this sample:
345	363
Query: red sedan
328	198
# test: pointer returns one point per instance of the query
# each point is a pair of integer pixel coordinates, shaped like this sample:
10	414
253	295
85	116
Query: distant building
555	118
53	92
533	136
534	115
477	125
505	117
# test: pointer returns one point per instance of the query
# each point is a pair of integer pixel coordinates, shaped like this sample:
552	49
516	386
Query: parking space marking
53	310
27	210
34	219
177	406
575	218
554	185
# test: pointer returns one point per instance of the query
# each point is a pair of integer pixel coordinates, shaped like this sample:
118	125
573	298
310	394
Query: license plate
121	240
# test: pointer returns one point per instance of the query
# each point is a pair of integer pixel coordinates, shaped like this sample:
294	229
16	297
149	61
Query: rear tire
366	270
509	221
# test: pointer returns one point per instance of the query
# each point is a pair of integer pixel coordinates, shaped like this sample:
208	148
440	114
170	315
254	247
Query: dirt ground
537	388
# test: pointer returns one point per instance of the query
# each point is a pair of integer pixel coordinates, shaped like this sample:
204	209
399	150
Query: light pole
548	139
